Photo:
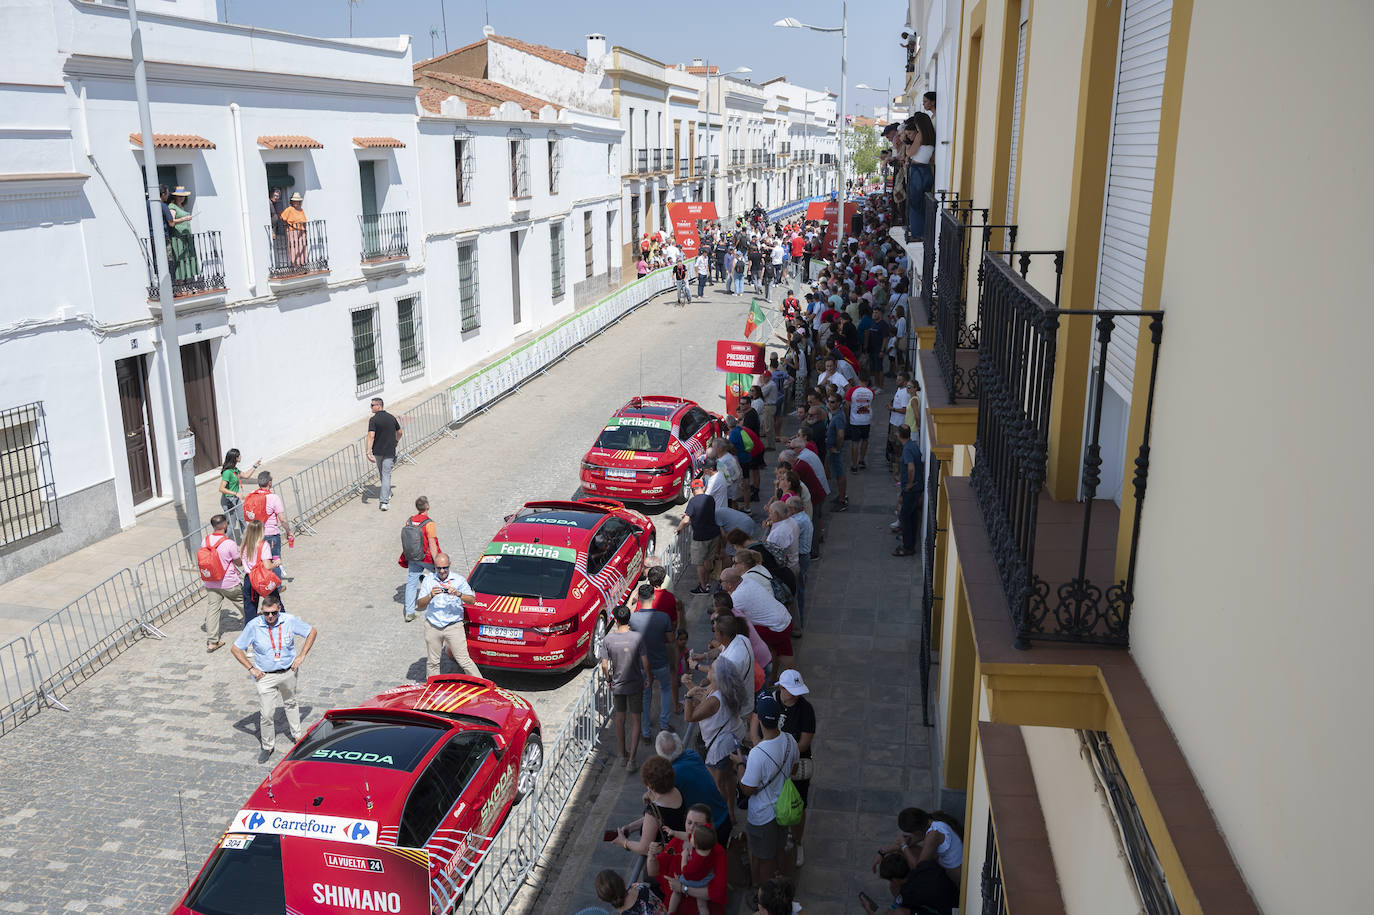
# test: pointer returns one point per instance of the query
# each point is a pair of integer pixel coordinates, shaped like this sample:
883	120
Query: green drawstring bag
790	805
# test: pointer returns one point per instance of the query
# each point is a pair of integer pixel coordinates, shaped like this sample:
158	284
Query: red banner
833	224
739	356
684	217
815	210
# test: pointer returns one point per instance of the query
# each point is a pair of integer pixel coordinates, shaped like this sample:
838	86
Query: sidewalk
32	597
859	658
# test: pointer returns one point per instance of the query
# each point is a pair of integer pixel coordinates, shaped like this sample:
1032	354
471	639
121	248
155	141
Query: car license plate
613	473
501	632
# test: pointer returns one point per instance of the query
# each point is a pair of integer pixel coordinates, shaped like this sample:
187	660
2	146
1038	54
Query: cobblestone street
111	806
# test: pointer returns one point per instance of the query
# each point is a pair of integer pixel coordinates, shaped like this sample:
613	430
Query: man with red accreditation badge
274	637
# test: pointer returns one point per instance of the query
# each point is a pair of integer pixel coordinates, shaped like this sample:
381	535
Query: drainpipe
240	175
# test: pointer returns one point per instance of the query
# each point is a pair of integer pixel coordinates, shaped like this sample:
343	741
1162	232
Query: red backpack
752	443
263	580
208	558
255	506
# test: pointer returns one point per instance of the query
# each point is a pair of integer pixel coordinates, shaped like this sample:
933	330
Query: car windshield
245	880
633	438
522	576
368	742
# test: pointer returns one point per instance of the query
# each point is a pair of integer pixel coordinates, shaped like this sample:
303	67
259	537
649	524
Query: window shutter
1131	178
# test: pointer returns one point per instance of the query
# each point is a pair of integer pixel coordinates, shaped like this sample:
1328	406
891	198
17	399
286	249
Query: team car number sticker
239	842
335	829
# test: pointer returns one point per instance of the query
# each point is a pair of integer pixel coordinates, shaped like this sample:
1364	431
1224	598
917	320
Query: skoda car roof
661	406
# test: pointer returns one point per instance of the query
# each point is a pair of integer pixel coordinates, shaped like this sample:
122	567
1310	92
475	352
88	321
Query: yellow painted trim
956	152
936	572
963	691
954	425
925	338
1004	96
1161	204
1082	244
1025	94
973	78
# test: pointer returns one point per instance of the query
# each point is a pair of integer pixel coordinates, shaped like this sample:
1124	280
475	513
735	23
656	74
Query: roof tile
378	143
487	92
174	141
289	141
552	55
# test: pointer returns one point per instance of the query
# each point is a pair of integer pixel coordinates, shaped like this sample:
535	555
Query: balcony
715	163
956	223
196	262
700	165
297	252
385	237
656	159
1056	560
684	167
641	161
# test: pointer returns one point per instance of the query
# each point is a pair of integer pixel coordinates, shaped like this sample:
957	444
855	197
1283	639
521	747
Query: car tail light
591	468
662	471
563	628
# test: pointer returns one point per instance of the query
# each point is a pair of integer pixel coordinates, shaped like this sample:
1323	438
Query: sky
728	34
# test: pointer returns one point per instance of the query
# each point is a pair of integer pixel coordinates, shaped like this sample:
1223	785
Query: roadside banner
739	357
684	217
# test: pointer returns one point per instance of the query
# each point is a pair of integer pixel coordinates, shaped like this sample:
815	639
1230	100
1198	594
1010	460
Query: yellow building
1146	541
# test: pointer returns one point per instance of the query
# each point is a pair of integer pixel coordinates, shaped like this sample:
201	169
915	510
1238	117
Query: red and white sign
739	356
833	225
684	217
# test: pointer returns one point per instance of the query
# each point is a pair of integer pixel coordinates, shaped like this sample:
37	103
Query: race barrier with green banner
478	391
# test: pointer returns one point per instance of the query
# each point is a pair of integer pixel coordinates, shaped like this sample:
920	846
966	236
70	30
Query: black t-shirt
755	260
701	510
750	421
877	335
797	720
383	427
818	433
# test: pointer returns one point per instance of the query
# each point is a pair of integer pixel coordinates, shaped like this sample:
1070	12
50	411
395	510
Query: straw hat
181	191
296	197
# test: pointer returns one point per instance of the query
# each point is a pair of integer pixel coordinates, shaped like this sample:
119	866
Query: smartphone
868	901
609	835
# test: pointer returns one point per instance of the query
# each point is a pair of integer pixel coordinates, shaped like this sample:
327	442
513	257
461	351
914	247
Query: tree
863	146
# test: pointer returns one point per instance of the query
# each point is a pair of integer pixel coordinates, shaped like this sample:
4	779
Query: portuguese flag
755	317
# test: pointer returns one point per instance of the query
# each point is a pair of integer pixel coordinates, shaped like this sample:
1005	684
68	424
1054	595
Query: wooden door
587	242
197	372
515	277
131	376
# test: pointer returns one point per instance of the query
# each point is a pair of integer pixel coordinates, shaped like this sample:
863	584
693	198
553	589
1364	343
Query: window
606	543
692	422
519	167
442	783
556	266
409	331
28	494
463	168
555	164
467	287
634	221
367	349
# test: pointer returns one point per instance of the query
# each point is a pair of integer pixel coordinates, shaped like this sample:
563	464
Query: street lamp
710	188
887	94
843	29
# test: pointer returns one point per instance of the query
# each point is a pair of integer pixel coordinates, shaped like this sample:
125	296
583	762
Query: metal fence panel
324	484
18	685
169	580
83	634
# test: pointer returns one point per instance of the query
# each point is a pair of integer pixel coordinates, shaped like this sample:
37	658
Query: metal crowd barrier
793	208
322	486
18	682
84	634
169	580
518	846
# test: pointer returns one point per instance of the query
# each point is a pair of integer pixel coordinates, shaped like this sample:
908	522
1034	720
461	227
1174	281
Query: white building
280	342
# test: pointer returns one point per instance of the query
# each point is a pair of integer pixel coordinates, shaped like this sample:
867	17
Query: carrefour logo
337	829
536	550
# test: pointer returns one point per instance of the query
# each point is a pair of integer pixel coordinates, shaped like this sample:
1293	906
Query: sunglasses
441	568
270	612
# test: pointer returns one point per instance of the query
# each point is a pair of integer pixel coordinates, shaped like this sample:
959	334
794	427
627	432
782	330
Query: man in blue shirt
911	477
273	638
835	432
442	596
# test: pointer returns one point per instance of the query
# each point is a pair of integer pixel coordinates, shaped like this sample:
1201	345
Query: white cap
791	681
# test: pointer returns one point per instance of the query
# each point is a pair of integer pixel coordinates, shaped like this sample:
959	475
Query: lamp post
843	29
710	188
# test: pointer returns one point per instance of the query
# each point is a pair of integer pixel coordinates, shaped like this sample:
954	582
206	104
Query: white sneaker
384	506
895	525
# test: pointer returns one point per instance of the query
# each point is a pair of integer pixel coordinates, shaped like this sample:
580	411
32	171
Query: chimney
696	61
596	46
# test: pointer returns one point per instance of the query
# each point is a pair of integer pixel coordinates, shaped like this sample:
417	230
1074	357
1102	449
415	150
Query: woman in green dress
181	248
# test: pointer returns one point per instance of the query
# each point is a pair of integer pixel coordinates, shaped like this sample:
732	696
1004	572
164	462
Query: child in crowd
696	865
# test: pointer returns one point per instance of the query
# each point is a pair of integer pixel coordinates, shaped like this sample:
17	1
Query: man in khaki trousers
441	597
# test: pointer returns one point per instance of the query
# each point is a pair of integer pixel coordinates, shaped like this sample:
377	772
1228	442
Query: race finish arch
685	217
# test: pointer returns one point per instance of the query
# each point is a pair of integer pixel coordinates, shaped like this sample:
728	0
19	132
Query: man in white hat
798	719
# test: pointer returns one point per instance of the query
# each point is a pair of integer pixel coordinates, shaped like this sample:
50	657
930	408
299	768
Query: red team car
647	450
383	808
546	584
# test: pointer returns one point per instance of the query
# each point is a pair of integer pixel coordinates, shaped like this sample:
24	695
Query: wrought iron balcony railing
1072	595
656	159
297	252
684	167
196	262
993	892
715	162
384	236
700	165
641	160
